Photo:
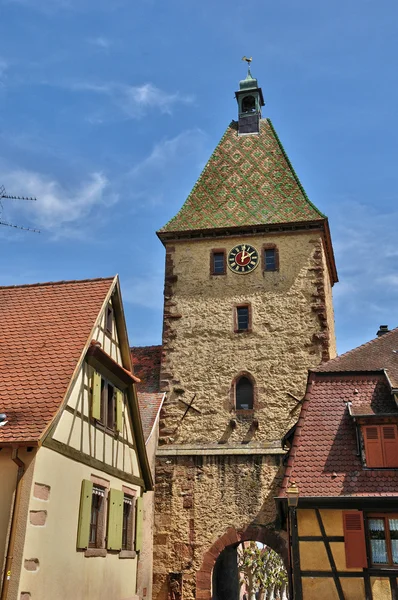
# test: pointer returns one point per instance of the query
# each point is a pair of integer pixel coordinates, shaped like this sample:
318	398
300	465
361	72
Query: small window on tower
244	394
271	258
242	318
217	262
248	104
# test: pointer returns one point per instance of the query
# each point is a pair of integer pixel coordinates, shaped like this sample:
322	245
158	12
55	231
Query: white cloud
135	101
57	210
167	151
100	42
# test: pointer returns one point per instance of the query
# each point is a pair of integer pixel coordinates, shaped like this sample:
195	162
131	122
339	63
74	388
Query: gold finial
248	60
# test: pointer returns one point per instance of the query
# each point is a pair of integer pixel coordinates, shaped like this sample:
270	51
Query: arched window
244	394
248	104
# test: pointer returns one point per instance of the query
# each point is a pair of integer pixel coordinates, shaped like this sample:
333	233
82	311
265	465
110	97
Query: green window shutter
83	529
96	396
139	523
119	410
115	519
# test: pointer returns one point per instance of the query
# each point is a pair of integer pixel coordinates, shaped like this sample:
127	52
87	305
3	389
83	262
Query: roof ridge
349	352
63	281
292	169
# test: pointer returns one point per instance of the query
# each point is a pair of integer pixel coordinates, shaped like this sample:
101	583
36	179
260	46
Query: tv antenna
5	196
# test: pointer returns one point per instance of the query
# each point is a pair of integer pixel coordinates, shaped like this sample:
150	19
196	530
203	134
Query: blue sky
109	110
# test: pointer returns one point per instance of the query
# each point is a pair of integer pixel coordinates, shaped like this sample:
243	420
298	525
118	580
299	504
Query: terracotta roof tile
379	353
44	329
146	363
248	180
323	460
149	404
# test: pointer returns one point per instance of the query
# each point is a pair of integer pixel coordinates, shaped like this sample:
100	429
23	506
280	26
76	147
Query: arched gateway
231	538
249	271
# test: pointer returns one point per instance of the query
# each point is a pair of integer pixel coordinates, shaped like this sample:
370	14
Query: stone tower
247	311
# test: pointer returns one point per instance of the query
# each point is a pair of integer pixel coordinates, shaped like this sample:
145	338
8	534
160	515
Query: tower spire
250	100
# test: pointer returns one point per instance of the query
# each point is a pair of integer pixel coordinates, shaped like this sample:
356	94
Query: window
97	517
270	257
106	403
383	536
381	445
128	522
109	319
248	104
244	394
217	262
242	318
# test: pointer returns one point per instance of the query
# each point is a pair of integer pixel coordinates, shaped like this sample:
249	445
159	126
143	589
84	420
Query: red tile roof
146	363
150	405
379	353
323	460
44	330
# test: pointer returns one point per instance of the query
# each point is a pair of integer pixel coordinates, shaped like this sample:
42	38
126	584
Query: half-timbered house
73	466
342	478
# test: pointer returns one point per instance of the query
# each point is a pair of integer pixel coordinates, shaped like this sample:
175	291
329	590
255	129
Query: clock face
243	258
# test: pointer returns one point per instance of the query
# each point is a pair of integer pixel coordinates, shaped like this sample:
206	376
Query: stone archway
233	536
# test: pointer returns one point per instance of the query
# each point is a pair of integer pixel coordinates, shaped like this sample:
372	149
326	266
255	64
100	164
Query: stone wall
219	468
292	331
198	499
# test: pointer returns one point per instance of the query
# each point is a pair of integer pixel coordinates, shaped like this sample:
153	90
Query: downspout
13	529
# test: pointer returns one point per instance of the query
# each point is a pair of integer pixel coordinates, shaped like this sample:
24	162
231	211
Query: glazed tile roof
323	459
247	181
379	353
149	404
146	363
44	330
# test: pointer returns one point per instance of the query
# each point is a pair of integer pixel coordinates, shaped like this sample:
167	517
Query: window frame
218	251
109	319
237	329
128	531
104	418
266	247
385	516
100	548
381	442
237	380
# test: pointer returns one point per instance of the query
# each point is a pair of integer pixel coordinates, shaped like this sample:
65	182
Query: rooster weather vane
5	196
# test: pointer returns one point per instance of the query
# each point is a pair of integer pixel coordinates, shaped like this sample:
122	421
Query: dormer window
381	445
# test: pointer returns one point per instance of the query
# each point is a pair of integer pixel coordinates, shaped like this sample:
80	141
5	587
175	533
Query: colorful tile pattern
44	329
247	181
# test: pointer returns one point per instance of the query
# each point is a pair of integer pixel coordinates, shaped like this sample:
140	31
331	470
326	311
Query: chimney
382	330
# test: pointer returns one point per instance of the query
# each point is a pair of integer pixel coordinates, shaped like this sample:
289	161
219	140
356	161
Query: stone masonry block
38	517
31	564
41	491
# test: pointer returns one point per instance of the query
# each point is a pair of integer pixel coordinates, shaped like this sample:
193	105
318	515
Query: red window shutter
390	445
354	540
373	447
